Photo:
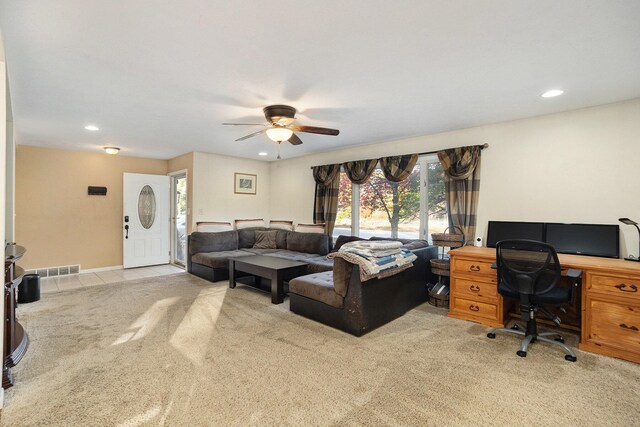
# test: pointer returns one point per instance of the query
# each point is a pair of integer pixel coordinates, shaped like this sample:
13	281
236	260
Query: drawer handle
623	287
633	328
474	288
474	268
474	308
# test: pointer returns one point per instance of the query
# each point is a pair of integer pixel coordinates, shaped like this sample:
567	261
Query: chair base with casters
531	335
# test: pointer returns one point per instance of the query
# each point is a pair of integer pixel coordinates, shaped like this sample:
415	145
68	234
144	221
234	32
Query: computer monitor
585	239
502	230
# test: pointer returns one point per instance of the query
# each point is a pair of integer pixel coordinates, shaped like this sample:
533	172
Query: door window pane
147	207
343	219
390	209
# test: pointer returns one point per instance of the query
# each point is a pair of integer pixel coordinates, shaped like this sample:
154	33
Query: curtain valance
398	168
325	174
360	170
460	162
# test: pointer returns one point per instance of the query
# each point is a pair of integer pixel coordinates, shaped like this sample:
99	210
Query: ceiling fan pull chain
278	158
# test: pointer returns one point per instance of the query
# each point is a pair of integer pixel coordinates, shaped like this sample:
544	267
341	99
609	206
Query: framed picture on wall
245	183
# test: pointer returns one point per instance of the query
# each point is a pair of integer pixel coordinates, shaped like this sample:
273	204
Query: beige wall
180	163
577	166
57	221
213	185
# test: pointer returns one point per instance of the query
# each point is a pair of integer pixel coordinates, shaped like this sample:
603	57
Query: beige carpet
177	350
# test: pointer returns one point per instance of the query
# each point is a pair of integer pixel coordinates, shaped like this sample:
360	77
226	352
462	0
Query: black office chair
529	271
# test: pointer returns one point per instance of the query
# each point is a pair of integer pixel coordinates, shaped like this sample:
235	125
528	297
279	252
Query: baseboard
100	269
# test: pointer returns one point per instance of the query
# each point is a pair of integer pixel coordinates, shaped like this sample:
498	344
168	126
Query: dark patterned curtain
462	186
360	170
325	206
398	168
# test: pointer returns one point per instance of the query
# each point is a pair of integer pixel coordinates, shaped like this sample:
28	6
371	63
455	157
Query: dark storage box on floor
29	289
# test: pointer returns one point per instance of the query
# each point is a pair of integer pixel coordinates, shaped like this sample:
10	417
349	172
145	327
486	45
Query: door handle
126	227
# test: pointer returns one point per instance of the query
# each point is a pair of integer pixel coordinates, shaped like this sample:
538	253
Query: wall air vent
64	270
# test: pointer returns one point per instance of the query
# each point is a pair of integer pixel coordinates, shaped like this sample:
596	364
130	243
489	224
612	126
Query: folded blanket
372	248
373	244
378	267
370	253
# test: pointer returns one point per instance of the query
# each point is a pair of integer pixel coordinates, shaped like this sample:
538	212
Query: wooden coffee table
278	270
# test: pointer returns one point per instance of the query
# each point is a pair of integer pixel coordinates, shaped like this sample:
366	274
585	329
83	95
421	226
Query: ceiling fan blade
244	124
251	135
313	129
294	140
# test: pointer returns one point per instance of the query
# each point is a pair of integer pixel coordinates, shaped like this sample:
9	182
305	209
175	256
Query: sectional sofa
341	300
208	253
331	292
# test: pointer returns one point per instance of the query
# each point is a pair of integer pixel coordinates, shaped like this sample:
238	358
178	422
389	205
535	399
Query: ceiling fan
281	127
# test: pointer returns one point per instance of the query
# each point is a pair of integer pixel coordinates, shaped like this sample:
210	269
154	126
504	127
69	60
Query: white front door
146	220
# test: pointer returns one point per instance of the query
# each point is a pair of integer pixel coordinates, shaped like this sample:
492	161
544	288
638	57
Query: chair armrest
574	275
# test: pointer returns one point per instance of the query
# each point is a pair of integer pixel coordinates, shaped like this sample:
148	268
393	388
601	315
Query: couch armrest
188	253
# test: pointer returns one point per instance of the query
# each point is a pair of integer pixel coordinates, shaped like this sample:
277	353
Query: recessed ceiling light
92	128
552	93
111	150
262	153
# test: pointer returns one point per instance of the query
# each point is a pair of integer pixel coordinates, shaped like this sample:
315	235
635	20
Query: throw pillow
281	225
265	240
249	223
310	228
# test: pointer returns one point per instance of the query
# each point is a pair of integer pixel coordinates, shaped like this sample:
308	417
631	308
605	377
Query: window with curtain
436	221
390	209
410	209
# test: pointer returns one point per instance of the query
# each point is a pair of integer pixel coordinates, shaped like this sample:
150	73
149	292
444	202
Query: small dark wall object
97	191
29	289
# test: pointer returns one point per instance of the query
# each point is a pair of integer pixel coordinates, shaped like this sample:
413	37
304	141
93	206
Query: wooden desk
610	298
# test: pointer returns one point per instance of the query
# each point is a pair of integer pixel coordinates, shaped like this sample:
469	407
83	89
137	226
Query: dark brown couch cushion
415	244
247	236
218	259
212	242
311	243
265	240
281	239
318	287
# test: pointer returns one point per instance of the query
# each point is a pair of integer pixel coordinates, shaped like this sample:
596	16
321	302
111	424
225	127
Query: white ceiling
159	77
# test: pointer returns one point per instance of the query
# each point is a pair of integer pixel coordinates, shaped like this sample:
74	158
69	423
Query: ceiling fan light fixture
279	134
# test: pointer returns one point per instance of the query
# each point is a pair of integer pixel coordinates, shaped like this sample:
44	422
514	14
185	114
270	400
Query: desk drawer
474	288
618	286
468	266
475	308
614	325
